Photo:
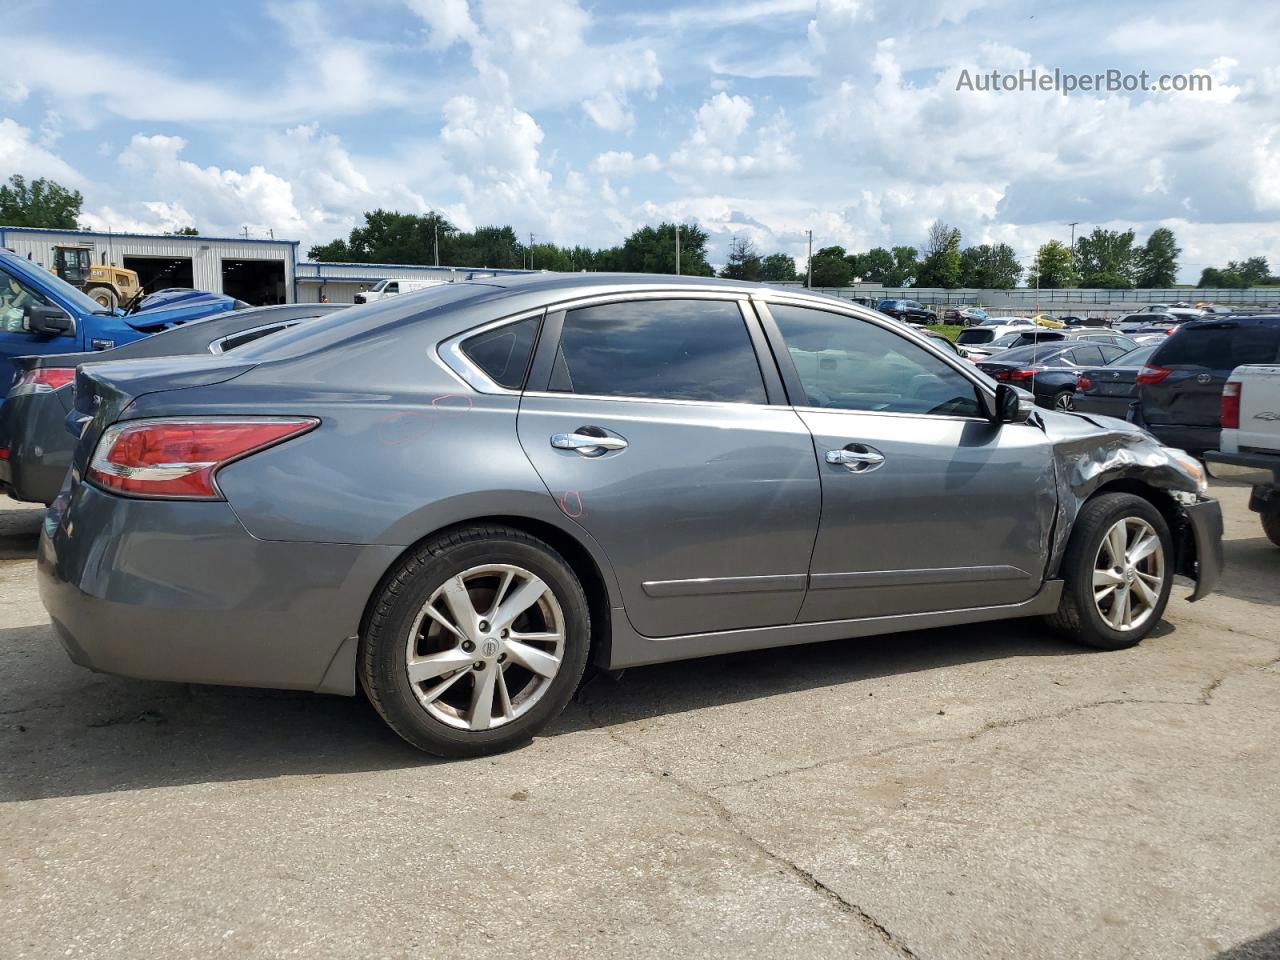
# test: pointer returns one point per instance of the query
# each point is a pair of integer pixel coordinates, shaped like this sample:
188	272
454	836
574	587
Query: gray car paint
408	446
33	428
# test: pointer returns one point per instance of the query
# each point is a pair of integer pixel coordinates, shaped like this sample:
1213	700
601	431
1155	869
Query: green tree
1238	274
989	267
1158	260
41	203
1052	268
1107	259
743	263
941	266
831	268
778	266
186	232
905	267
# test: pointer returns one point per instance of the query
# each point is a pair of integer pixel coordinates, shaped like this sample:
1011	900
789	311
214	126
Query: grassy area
948	330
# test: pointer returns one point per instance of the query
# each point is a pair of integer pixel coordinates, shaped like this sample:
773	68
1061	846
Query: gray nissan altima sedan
457	499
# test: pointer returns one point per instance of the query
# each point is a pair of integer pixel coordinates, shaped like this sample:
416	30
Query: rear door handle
857	457
586	444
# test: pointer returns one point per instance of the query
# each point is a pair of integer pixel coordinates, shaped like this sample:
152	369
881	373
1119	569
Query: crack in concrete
1203	700
722	813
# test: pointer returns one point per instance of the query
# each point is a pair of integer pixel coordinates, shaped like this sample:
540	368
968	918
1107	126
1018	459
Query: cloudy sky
579	121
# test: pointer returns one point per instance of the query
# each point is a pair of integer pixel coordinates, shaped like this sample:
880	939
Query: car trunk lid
105	391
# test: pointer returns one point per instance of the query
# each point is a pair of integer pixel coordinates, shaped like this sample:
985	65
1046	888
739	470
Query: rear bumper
173	590
1249	467
1205	521
33	430
1193	439
1117	407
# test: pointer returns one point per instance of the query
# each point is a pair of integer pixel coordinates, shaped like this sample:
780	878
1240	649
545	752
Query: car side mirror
1012	405
46	320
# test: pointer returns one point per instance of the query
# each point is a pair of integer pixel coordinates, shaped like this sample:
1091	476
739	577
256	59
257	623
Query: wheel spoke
436	692
535	637
1107	578
1116	542
460	605
504	695
441	619
1119	607
1144	548
1149	596
437	664
531	658
524	597
1101	593
480	715
501	592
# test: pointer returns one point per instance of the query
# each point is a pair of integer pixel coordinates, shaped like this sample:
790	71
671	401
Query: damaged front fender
1091	452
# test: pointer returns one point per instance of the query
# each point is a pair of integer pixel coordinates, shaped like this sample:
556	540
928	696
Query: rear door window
1087	355
503	353
659	349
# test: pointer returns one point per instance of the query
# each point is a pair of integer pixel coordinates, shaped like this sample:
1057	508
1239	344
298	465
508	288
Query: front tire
1118	572
104	297
476	642
1271	520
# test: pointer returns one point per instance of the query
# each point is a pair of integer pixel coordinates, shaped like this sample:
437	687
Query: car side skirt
630	649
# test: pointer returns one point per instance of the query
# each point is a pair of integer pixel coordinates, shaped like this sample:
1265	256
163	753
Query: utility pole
530	250
1072	225
809	282
677	249
436	229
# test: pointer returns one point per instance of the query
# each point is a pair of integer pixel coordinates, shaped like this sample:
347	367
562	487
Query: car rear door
703	489
926	504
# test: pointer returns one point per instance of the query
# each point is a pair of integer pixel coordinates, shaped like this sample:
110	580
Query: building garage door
157	273
257	282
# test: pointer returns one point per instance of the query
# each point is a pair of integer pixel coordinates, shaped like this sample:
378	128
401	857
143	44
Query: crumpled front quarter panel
1089	452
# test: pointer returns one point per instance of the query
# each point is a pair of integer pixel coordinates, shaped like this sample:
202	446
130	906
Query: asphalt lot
972	792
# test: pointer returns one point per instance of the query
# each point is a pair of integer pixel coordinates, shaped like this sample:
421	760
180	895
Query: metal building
255	271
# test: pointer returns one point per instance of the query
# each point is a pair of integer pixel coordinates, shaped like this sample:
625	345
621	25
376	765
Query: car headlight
1191	465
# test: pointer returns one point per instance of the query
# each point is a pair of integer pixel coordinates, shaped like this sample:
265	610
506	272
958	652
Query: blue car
42	314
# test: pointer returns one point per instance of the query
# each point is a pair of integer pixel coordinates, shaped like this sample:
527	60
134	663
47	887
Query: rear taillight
1015	374
1152	374
1231	392
178	458
4	453
44	380
1083	382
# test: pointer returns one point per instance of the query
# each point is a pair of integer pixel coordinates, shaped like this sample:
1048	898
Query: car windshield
1134	358
1035	353
1008	340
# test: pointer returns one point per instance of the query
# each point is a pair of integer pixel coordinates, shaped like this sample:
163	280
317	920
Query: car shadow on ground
1265	947
19	531
67	732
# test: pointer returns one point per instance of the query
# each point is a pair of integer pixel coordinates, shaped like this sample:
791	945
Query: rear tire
1111	602
1064	401
104	296
474	689
1271	521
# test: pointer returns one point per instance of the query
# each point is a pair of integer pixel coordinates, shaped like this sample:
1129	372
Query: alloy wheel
485	647
1064	401
1128	574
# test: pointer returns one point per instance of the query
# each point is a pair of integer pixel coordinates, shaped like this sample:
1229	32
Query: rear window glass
1220	346
503	353
1035	353
975	336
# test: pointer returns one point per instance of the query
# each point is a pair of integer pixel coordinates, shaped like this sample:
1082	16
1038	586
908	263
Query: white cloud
609	112
19	154
615	163
447	22
719	124
493	150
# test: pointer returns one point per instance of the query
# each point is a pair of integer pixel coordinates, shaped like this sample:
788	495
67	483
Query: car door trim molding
931	576
450	353
710	586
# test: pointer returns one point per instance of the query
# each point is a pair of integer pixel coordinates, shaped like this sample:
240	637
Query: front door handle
586	444
857	457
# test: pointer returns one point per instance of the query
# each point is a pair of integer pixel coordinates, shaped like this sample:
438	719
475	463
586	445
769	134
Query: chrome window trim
552	395
451	356
218	346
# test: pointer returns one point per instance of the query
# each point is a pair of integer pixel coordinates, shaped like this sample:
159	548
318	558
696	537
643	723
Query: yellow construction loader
110	286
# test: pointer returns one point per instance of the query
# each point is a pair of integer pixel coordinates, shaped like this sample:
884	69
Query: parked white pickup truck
1250	444
390	288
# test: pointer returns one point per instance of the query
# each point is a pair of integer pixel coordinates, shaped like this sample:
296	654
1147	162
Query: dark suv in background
908	310
1180	388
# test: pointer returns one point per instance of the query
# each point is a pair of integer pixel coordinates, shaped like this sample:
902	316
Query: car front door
926	504
703	489
16	339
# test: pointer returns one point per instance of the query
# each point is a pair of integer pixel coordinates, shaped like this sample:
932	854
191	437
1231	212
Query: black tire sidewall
1097	517
385	663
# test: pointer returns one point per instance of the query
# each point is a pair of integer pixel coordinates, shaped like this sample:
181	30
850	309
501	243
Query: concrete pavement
973	792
